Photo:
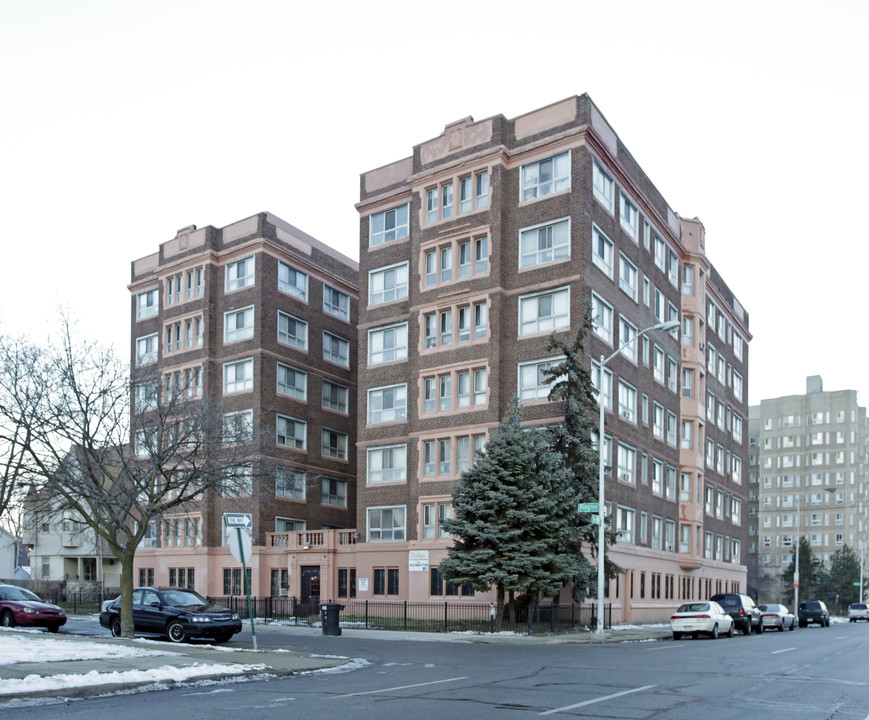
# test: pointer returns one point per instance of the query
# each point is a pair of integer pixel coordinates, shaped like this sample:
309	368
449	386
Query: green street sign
857	584
589	507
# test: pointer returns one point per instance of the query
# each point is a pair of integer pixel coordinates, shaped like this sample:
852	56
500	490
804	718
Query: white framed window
387	344
672	375
481	189
544	311
660	253
147	348
431	205
238	376
336	349
626	464
333	492
238	427
386	524
389	225
292	331
628	216
628	277
238	324
687	435
147	303
292	382
336	302
659	364
290	482
387	284
672	268
687	330
658	421
532	381
240	274
146	396
545	177
687	279
627	401
738	345
602	318
607	383
291	433
602	251
545	243
333	444
386	464
335	397
604	188
671	428
625	524
628	334
446	200
292	281
387	404
687	382
657	477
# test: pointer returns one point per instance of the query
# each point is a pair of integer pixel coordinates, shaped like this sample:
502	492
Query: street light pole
797	563
601	490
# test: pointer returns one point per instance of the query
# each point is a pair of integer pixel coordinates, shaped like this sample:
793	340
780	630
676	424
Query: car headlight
200	618
29	611
235	616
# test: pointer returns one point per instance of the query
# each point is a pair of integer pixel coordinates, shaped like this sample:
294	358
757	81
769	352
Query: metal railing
421	616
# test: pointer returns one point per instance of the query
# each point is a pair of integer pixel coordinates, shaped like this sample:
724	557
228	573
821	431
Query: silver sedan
776	617
696	618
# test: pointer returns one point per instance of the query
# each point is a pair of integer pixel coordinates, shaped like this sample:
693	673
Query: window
238	376
625	525
628	277
431	205
687	382
604	188
240	274
672	375
334	444
446	200
687	280
532	379
387	344
671	428
658	421
628	333
602	251
481	189
544	311
457	260
389	225
333	492
627	464
687	435
336	302
545	177
291	433
336	349
238	427
386	523
146	350
688	331
738	344
387	404
238	324
292	331
290	482
237	480
607	389
385	581
293	282
146	396
627	401
465	198
387	284
658	364
628	216
292	382
736	379
544	243
602	318
387	464
147	303
335	397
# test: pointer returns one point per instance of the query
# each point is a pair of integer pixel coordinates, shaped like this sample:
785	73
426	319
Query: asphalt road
807	674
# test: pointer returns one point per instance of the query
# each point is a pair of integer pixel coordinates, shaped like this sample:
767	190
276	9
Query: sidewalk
39	665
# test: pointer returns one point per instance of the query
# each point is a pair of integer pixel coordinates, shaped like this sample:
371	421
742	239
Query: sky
125	120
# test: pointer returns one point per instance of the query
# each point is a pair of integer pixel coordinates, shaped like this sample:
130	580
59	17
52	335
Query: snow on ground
16	647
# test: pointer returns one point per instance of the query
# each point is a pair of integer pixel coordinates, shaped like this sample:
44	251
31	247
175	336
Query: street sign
856	584
595	519
234	520
589	507
239	541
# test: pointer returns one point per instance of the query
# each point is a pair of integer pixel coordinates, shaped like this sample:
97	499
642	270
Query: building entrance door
311	588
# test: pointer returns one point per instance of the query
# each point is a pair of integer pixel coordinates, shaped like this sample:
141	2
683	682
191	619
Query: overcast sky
123	121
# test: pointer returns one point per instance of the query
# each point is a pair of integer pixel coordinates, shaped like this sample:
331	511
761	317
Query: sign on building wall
417	560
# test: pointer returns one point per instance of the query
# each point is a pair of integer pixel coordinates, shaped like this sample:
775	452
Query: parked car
19	606
746	616
813	611
696	618
776	617
858	611
174	613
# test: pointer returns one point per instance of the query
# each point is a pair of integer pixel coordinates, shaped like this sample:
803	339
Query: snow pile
16	648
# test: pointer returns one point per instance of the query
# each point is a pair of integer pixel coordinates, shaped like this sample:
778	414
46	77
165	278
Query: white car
858	611
704	617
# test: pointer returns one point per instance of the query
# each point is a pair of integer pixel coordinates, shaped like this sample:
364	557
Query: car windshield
728	601
17	593
771	608
858	606
183	598
693	607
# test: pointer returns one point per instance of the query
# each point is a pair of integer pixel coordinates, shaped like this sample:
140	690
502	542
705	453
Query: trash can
330	614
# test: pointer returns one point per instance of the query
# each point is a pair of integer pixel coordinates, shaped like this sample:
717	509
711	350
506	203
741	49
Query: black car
174	613
745	614
813	611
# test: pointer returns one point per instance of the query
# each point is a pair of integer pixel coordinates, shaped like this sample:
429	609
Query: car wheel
175	632
758	628
730	631
695	635
781	628
714	633
8	619
115	627
746	628
791	628
803	624
53	628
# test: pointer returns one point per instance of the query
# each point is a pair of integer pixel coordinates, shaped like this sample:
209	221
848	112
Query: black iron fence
421	616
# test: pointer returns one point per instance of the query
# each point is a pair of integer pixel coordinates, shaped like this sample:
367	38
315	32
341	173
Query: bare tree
117	451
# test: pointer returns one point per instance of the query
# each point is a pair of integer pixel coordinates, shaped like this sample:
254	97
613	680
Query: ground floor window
439	586
280	582
232	581
181	578
347	582
146	577
386	581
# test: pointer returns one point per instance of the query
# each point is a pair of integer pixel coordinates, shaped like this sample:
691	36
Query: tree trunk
127	629
499	599
511	608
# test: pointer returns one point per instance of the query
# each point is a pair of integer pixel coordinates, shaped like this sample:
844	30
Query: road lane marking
401	687
776	652
597	700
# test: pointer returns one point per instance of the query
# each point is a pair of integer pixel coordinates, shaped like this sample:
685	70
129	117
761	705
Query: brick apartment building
473	250
262	316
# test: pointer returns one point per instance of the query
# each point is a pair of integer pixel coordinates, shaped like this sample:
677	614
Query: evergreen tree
574	439
510	532
844	577
812	575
